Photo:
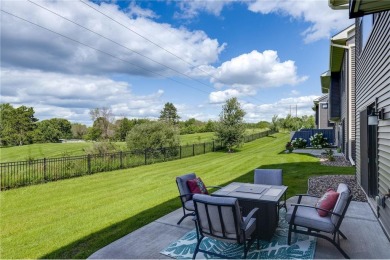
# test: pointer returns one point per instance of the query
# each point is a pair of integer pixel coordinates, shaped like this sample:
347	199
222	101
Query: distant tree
102	118
17	125
152	135
169	114
122	127
308	122
79	130
275	124
47	132
231	128
263	124
209	126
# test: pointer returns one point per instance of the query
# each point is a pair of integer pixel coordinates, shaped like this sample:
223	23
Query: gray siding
373	81
353	106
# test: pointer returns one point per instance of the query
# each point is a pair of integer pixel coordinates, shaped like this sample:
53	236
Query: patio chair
306	216
271	177
186	195
220	218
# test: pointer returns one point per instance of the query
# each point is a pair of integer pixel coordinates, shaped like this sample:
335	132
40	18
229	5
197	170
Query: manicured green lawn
53	150
73	218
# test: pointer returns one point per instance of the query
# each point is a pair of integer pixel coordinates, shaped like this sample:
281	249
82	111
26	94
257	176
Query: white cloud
248	72
257	69
58	95
192	8
322	18
25	45
298	106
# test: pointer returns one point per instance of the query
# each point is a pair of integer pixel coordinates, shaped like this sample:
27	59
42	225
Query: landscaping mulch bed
319	185
338	161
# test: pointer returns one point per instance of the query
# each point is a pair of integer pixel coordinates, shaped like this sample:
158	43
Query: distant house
339	84
372	84
321	110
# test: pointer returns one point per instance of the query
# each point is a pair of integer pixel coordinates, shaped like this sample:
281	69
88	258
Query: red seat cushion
197	186
327	201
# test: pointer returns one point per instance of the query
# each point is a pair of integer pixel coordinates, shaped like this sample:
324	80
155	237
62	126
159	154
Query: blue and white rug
302	246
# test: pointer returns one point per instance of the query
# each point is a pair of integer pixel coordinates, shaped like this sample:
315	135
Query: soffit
358	8
325	82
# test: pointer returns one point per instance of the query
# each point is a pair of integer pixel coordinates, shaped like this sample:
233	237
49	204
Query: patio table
264	197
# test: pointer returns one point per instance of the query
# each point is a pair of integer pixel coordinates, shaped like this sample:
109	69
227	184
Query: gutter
348	48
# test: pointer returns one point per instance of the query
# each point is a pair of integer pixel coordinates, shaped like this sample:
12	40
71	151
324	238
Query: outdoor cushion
228	217
189	204
327	201
341	202
197	186
268	176
182	184
308	217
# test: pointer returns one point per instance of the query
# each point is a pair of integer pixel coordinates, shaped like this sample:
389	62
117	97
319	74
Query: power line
152	42
143	37
104	52
117	43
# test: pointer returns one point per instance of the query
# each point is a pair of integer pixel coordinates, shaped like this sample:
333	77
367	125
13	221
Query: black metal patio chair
306	216
220	218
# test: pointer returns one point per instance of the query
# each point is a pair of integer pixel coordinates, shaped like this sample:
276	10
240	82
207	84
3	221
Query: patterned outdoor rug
302	246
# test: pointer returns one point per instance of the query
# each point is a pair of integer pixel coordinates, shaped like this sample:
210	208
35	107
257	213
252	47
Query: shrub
329	154
289	147
319	141
299	143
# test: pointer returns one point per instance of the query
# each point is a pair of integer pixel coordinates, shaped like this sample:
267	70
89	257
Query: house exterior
372	85
321	113
339	84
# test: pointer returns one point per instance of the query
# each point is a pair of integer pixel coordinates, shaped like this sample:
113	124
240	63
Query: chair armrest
248	218
305	195
218	187
185	195
314	207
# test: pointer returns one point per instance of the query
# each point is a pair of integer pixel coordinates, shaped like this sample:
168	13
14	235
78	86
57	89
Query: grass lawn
73	218
53	150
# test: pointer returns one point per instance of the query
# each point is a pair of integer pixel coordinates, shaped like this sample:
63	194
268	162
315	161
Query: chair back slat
268	176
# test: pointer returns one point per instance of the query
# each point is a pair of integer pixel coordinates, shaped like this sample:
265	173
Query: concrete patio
366	239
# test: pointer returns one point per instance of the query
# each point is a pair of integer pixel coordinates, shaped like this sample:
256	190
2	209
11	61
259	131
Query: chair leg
289	234
197	247
340	249
185	215
343	236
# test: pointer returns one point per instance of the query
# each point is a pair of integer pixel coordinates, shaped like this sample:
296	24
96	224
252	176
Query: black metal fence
23	173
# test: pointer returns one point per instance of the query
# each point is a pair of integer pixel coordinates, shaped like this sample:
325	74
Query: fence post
44	169
204	148
145	156
180	151
193	149
120	158
89	163
213	146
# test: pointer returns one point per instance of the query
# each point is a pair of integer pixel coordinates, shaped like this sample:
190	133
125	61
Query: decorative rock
319	185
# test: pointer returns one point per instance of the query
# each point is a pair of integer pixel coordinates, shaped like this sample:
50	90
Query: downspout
348	48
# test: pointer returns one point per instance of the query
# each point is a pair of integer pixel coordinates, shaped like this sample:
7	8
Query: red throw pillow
197	186
327	201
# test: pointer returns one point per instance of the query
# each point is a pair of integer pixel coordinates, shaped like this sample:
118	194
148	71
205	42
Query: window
325	106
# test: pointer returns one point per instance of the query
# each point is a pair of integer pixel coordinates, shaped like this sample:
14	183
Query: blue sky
66	57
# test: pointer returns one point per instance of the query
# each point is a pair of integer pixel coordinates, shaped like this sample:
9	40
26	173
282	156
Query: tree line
19	126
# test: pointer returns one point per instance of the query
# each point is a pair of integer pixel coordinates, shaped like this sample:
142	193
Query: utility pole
296	110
